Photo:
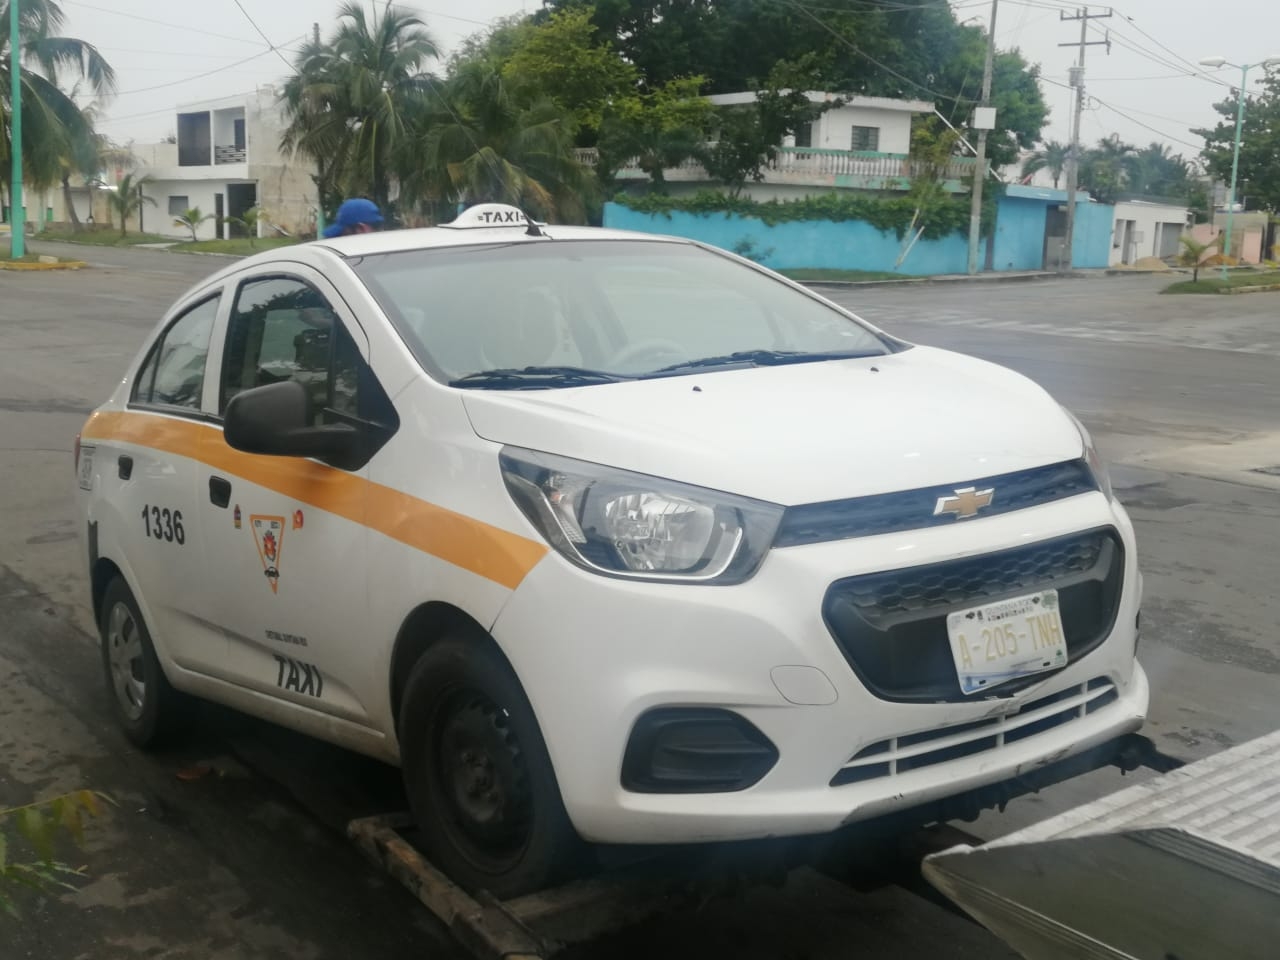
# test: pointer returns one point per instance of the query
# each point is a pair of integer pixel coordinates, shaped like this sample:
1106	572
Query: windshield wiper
534	378
760	358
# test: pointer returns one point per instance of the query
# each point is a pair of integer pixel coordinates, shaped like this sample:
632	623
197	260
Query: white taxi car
601	536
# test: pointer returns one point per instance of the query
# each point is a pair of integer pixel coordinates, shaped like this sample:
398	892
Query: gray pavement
248	861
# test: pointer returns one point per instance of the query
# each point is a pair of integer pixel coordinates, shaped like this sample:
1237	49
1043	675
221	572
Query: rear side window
173	373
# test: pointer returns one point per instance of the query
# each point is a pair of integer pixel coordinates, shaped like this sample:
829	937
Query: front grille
897	755
914	509
892	626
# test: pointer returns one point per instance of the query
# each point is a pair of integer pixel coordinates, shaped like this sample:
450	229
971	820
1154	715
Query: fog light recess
695	750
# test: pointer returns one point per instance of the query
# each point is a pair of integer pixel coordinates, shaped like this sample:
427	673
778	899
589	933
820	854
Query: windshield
569	313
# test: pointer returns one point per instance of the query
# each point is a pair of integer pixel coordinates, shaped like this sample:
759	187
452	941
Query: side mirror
275	420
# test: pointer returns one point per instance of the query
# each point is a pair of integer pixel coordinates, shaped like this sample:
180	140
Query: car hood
799	433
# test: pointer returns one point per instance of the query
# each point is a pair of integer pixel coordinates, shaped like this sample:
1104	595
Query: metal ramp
1183	867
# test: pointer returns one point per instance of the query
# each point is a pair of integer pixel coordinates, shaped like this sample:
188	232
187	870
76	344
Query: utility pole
17	219
1077	81
983	123
315	36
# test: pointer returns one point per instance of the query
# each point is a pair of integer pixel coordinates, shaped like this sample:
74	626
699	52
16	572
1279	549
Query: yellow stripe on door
489	551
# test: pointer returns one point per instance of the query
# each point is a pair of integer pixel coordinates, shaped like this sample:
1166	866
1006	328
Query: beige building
225	159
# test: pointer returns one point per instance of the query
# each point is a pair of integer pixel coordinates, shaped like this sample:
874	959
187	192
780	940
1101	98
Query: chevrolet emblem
966	503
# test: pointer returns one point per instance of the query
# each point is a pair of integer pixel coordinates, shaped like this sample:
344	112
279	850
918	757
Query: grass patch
98	236
239	246
844	275
1251	278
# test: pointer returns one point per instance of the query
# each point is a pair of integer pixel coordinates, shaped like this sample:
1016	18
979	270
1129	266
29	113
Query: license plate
86	468
1007	639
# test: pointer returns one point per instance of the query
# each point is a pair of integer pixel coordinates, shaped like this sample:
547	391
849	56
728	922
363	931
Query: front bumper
594	654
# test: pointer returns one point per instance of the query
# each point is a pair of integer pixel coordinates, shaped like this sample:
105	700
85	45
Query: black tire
151	713
478	775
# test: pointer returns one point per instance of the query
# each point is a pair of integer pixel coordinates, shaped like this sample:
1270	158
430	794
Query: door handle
124	466
219	491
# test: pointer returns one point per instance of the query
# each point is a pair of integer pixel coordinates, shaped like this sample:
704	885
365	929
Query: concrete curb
980	278
1263	288
63	265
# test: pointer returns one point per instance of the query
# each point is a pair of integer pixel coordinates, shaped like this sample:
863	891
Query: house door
219	217
1055	239
240	198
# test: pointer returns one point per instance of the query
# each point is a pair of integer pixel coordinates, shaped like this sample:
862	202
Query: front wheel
150	712
478	774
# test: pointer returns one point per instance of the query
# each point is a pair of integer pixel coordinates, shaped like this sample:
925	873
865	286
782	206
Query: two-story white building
859	143
225	159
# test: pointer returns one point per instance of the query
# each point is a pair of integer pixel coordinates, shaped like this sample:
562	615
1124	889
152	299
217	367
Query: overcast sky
160	47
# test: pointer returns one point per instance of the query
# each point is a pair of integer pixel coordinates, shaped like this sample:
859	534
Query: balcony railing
228	154
806	165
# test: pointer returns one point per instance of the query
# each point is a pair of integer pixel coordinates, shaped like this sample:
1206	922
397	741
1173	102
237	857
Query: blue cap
353	213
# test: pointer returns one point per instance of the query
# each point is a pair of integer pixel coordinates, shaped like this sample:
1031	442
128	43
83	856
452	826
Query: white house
1147	228
226	159
861	144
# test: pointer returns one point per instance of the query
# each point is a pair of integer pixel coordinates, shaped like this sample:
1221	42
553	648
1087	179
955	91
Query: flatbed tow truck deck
888	850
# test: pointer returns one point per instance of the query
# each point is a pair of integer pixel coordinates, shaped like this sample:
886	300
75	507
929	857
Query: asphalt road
232	847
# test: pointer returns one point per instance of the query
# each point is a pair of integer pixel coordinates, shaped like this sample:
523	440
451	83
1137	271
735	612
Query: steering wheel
654	346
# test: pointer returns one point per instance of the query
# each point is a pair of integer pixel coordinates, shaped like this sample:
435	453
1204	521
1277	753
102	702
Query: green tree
1104	169
248	222
1051	156
1259	174
749	136
488	143
1193	253
657	130
191	220
128	198
349	101
1155	170
562	60
51	119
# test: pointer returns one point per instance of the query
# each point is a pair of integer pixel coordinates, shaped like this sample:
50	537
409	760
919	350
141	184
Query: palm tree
191	219
1193	253
1156	169
1052	156
248	221
128	198
51	119
1104	169
348	102
488	145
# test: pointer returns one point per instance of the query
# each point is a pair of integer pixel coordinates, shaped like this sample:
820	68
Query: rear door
287	542
145	458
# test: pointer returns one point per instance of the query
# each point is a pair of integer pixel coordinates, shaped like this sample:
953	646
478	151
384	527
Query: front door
149	468
286	536
219	217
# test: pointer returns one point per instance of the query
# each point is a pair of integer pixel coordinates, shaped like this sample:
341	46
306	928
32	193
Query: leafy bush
40	824
939	216
746	247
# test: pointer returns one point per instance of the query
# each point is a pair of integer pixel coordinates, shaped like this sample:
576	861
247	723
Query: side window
284	329
173	373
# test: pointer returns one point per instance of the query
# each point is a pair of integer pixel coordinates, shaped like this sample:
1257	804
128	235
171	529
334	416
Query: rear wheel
478	774
150	712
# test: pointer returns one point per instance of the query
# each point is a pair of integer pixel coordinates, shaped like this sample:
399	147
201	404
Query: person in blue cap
357	215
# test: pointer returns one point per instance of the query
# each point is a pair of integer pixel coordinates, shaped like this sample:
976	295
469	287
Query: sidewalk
1008	276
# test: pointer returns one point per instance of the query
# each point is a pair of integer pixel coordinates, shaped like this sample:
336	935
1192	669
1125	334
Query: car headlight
1099	470
625	524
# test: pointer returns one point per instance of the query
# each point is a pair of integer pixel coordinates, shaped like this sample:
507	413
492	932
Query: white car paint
429	520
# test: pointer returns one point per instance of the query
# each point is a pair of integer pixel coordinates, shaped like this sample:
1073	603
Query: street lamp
1235	156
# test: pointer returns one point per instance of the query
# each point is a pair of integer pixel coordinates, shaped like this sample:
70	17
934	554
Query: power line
162	23
253	23
866	56
198	76
1186	143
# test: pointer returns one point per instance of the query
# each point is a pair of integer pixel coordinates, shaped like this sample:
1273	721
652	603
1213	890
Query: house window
865	138
804	135
238	133
178	206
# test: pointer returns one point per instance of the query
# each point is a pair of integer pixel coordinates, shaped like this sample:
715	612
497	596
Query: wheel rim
124	657
483	779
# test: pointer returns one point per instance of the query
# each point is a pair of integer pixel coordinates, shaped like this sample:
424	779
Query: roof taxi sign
493	215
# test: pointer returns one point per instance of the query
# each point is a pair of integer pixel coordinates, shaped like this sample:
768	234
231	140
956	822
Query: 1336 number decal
164	524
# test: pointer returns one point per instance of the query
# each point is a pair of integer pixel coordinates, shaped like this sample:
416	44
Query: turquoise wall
1019	239
856	245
